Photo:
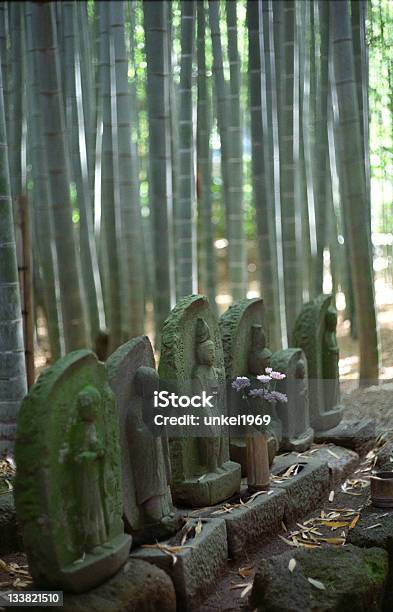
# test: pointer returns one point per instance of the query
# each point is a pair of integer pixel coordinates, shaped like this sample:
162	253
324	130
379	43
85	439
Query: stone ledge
353	579
137	587
358	436
198	566
306	490
341	462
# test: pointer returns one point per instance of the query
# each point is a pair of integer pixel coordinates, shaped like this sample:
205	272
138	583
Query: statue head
146	381
205	352
259	356
331	319
88	400
300	369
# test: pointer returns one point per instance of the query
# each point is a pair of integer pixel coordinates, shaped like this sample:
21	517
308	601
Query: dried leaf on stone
336	541
374	526
198	527
246	571
354	521
289	542
333	453
291	565
317	584
331	496
246	590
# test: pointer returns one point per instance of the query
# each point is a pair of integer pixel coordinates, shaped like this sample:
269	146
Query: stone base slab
137	587
198	565
254	522
299	444
341	462
209	490
306	490
358	436
352	579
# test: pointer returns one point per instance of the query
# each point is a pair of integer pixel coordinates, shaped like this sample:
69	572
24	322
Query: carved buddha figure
90	457
259	359
150	458
330	355
204	378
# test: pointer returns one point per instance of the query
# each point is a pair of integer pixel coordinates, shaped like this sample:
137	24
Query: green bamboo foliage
44	40
204	165
160	184
185	213
130	216
355	189
231	160
262	169
289	158
12	359
43	226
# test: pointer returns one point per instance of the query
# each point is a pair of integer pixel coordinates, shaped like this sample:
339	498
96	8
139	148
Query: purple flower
240	383
279	397
268	370
277	375
264	378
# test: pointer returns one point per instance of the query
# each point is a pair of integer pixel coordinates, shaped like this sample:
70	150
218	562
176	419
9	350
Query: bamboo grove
138	137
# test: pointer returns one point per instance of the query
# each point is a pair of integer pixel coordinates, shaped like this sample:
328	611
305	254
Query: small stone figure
192	361
330	360
204	377
68	483
258	360
147	500
89	459
315	333
297	435
246	354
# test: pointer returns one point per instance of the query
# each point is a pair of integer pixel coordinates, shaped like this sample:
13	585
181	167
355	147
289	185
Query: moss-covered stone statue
315	333
297	435
68	484
192	362
147	500
244	341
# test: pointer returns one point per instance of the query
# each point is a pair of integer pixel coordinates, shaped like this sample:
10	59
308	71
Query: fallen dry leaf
331	496
246	590
291	565
317	584
245	571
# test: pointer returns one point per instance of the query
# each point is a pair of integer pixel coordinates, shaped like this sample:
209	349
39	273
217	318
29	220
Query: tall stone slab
68	484
315	334
191	362
297	434
146	470
243	335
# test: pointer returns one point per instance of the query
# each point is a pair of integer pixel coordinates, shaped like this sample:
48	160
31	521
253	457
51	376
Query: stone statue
205	377
330	360
315	333
246	354
297	435
147	501
192	362
89	458
68	485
